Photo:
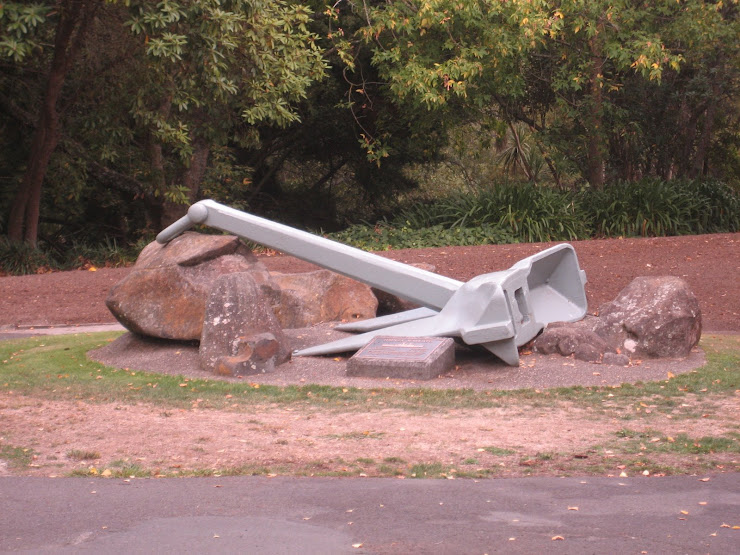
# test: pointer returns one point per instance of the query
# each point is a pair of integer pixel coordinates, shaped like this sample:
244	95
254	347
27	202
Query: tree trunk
23	222
595	156
192	178
702	148
155	202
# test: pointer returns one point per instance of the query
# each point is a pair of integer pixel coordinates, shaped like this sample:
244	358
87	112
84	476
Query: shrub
22	258
526	212
652	207
384	236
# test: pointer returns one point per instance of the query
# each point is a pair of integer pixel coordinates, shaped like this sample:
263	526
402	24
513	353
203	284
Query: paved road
325	515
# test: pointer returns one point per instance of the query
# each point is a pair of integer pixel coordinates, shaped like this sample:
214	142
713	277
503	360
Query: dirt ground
381	441
710	264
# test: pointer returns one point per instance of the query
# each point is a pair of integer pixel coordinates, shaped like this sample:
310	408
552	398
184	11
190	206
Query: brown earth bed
517	438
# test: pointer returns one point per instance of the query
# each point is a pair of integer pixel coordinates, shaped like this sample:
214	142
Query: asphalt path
685	514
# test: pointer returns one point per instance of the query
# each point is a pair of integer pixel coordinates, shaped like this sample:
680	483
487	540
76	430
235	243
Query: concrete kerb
8	332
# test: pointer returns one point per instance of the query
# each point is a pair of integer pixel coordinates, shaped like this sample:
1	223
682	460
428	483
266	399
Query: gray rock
568	338
588	352
240	332
615	359
302	300
256	354
165	294
652	317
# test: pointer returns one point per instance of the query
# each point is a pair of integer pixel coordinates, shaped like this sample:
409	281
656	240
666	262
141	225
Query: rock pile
213	289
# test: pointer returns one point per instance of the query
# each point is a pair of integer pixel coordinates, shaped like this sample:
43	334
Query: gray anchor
500	311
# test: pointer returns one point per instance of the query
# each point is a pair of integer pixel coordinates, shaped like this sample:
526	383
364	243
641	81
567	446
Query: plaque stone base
406	358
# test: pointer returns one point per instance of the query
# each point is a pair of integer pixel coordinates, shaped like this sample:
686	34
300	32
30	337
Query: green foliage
385	236
507	212
19	28
248	59
510	213
608	85
658	208
523	211
22	258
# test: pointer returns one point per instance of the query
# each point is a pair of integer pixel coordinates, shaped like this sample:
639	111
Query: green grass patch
58	368
82	455
428	470
498	451
16	457
651	441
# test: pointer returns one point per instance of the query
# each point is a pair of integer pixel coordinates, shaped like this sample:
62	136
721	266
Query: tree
560	67
215	70
73	18
208	71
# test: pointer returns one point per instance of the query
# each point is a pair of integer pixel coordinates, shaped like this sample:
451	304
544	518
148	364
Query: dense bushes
657	208
22	258
528	213
505	213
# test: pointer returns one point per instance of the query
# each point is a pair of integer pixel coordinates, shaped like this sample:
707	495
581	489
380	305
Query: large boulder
165	294
241	335
652	317
302	300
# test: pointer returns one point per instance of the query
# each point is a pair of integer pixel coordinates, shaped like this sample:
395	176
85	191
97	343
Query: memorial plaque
411	358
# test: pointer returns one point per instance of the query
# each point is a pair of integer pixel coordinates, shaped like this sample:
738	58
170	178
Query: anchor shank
414	284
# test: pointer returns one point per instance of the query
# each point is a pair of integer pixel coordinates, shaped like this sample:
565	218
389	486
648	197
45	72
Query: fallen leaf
623	474
557	538
684	512
106	472
356	545
572	508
